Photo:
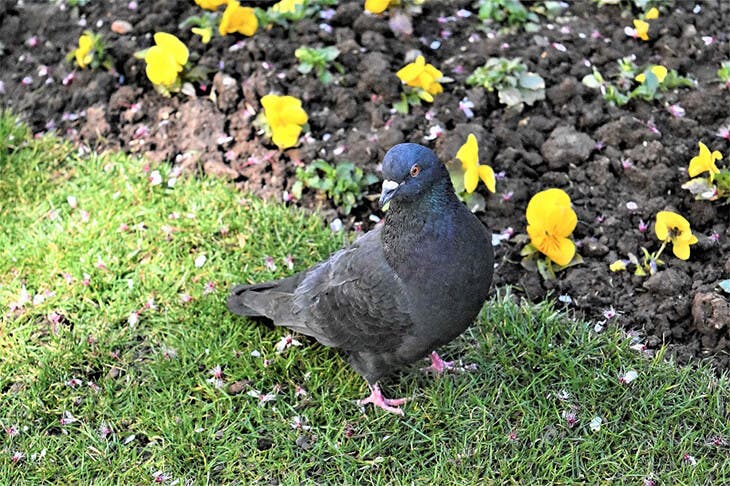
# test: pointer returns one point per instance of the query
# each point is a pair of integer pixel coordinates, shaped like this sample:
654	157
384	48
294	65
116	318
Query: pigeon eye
415	170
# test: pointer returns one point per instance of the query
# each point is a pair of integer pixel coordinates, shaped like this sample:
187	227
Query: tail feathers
275	301
269	299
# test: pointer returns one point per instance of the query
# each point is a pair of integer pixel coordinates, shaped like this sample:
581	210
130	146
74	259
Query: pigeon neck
406	221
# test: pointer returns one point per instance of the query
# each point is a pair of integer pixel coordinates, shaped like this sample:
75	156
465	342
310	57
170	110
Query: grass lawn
121	365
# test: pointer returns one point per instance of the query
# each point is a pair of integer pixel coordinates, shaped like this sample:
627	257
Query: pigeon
399	291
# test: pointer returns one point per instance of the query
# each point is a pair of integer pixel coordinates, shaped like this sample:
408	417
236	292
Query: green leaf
531	81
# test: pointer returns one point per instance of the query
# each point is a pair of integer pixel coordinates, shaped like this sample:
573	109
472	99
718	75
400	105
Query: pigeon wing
353	300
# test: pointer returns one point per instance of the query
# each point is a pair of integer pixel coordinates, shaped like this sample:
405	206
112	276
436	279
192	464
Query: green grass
501	423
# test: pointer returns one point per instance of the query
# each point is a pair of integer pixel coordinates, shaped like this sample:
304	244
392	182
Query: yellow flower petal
238	19
641	77
162	68
410	72
433	72
704	162
486	174
285	136
652	14
287	6
376	6
617	266
471	179
210	4
174	46
285	115
83	52
561	250
205	33
672	227
468	154
435	88
681	250
660	72
642	29
539	205
551	220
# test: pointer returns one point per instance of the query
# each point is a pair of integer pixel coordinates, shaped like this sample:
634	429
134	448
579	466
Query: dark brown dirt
603	156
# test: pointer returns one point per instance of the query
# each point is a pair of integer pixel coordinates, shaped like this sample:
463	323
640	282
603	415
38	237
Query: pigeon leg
377	399
438	365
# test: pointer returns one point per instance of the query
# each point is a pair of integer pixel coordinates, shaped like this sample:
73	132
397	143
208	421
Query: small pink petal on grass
155	178
216	372
285	343
209	288
300	391
74	382
628	377
688	459
103	431
12	431
71	200
161	477
185	298
570	418
67	418
289	262
270	264
299	423
17	456
262	398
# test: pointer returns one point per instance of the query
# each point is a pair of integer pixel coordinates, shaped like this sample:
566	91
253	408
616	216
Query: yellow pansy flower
652	13
704	162
642	29
165	60
671	227
468	154
238	19
84	53
285	117
550	222
418	74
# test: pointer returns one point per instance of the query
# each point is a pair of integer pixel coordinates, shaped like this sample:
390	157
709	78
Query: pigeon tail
266	299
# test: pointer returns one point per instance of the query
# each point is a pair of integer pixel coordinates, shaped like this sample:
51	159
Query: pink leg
438	365
388	404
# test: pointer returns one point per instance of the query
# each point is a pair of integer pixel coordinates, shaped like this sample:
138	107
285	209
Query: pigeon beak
389	188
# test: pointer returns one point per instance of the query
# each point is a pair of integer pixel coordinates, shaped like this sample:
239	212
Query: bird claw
438	365
388	404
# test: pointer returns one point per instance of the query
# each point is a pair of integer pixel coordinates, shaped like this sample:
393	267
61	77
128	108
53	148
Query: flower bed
608	105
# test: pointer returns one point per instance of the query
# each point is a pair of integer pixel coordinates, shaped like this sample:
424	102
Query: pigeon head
409	170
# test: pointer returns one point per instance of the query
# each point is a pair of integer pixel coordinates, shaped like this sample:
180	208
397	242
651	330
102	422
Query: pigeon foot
388	404
438	365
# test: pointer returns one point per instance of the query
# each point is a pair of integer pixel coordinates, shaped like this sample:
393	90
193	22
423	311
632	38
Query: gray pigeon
399	291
